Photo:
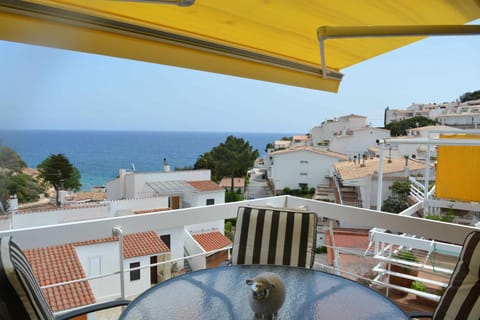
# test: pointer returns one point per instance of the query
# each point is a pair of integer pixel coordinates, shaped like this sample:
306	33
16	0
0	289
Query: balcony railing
427	232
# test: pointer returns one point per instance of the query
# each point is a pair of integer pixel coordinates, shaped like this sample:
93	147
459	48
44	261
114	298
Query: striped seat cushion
20	292
460	300
274	236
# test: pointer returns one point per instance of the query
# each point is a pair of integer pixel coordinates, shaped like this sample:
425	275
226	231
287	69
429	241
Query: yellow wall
458	171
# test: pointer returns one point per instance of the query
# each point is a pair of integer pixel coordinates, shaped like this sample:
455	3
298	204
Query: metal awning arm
336	32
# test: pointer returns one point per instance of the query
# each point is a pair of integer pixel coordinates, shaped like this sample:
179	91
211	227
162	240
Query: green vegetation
419	286
405	255
397	202
321	250
468	96
57	171
233	197
231	158
13	181
448	217
303	192
399	128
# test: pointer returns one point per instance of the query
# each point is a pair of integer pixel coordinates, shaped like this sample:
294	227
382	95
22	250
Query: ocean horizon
99	154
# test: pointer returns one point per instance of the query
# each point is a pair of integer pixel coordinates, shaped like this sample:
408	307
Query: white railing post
117	231
380	177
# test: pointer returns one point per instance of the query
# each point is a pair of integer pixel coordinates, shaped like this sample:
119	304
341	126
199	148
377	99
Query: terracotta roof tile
135	244
150	210
337	155
212	240
57	264
143	244
351	170
205	185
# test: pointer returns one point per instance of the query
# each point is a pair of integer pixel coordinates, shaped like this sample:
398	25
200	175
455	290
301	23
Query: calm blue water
100	154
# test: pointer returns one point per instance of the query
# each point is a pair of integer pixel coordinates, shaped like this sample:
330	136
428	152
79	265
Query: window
166	238
303	174
210	202
303	161
134	274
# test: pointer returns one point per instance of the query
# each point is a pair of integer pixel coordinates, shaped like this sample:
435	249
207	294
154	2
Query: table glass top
221	293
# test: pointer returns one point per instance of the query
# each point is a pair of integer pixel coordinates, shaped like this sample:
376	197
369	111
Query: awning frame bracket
337	32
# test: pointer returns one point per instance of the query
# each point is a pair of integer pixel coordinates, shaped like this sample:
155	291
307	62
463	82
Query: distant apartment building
356	142
419	151
303	167
323	134
462	115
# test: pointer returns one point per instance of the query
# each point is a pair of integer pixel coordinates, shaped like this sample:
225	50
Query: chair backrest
275	236
20	293
460	299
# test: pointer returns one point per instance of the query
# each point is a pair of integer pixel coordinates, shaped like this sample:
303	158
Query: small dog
267	294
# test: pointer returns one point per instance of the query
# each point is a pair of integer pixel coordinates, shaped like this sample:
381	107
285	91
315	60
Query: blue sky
44	88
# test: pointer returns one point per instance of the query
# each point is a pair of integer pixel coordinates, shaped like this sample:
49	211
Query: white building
363	176
321	135
184	189
419	151
355	142
427	110
302	167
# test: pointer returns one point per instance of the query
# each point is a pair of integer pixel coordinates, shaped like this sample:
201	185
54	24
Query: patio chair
460	299
21	296
275	236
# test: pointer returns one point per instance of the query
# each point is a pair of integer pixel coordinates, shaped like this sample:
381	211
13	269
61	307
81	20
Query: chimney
166	166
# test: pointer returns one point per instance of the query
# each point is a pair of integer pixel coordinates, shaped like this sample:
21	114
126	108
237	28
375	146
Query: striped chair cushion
460	300
274	236
20	291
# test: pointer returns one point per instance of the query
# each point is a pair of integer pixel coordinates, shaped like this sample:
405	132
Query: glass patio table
221	293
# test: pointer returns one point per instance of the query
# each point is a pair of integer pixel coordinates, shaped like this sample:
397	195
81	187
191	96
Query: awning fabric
266	40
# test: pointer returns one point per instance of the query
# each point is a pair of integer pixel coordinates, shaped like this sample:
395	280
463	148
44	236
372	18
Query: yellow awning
266	40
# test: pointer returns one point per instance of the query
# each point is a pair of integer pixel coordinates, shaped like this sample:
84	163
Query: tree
397	202
399	128
469	96
231	158
9	159
57	171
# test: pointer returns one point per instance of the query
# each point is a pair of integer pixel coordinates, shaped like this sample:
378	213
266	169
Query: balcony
425	237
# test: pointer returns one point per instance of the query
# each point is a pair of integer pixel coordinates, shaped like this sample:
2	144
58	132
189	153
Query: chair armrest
419	314
91	308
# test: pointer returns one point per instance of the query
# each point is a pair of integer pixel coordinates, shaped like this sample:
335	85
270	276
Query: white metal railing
29	238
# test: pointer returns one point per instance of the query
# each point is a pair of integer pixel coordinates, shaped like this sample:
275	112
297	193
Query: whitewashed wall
358	142
287	169
192	247
108	254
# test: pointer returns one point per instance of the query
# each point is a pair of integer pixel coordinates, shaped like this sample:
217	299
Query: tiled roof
143	244
56	264
135	244
351	170
340	156
150	210
205	185
300	138
60	264
212	240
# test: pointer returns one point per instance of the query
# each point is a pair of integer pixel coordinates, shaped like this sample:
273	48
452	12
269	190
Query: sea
99	155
